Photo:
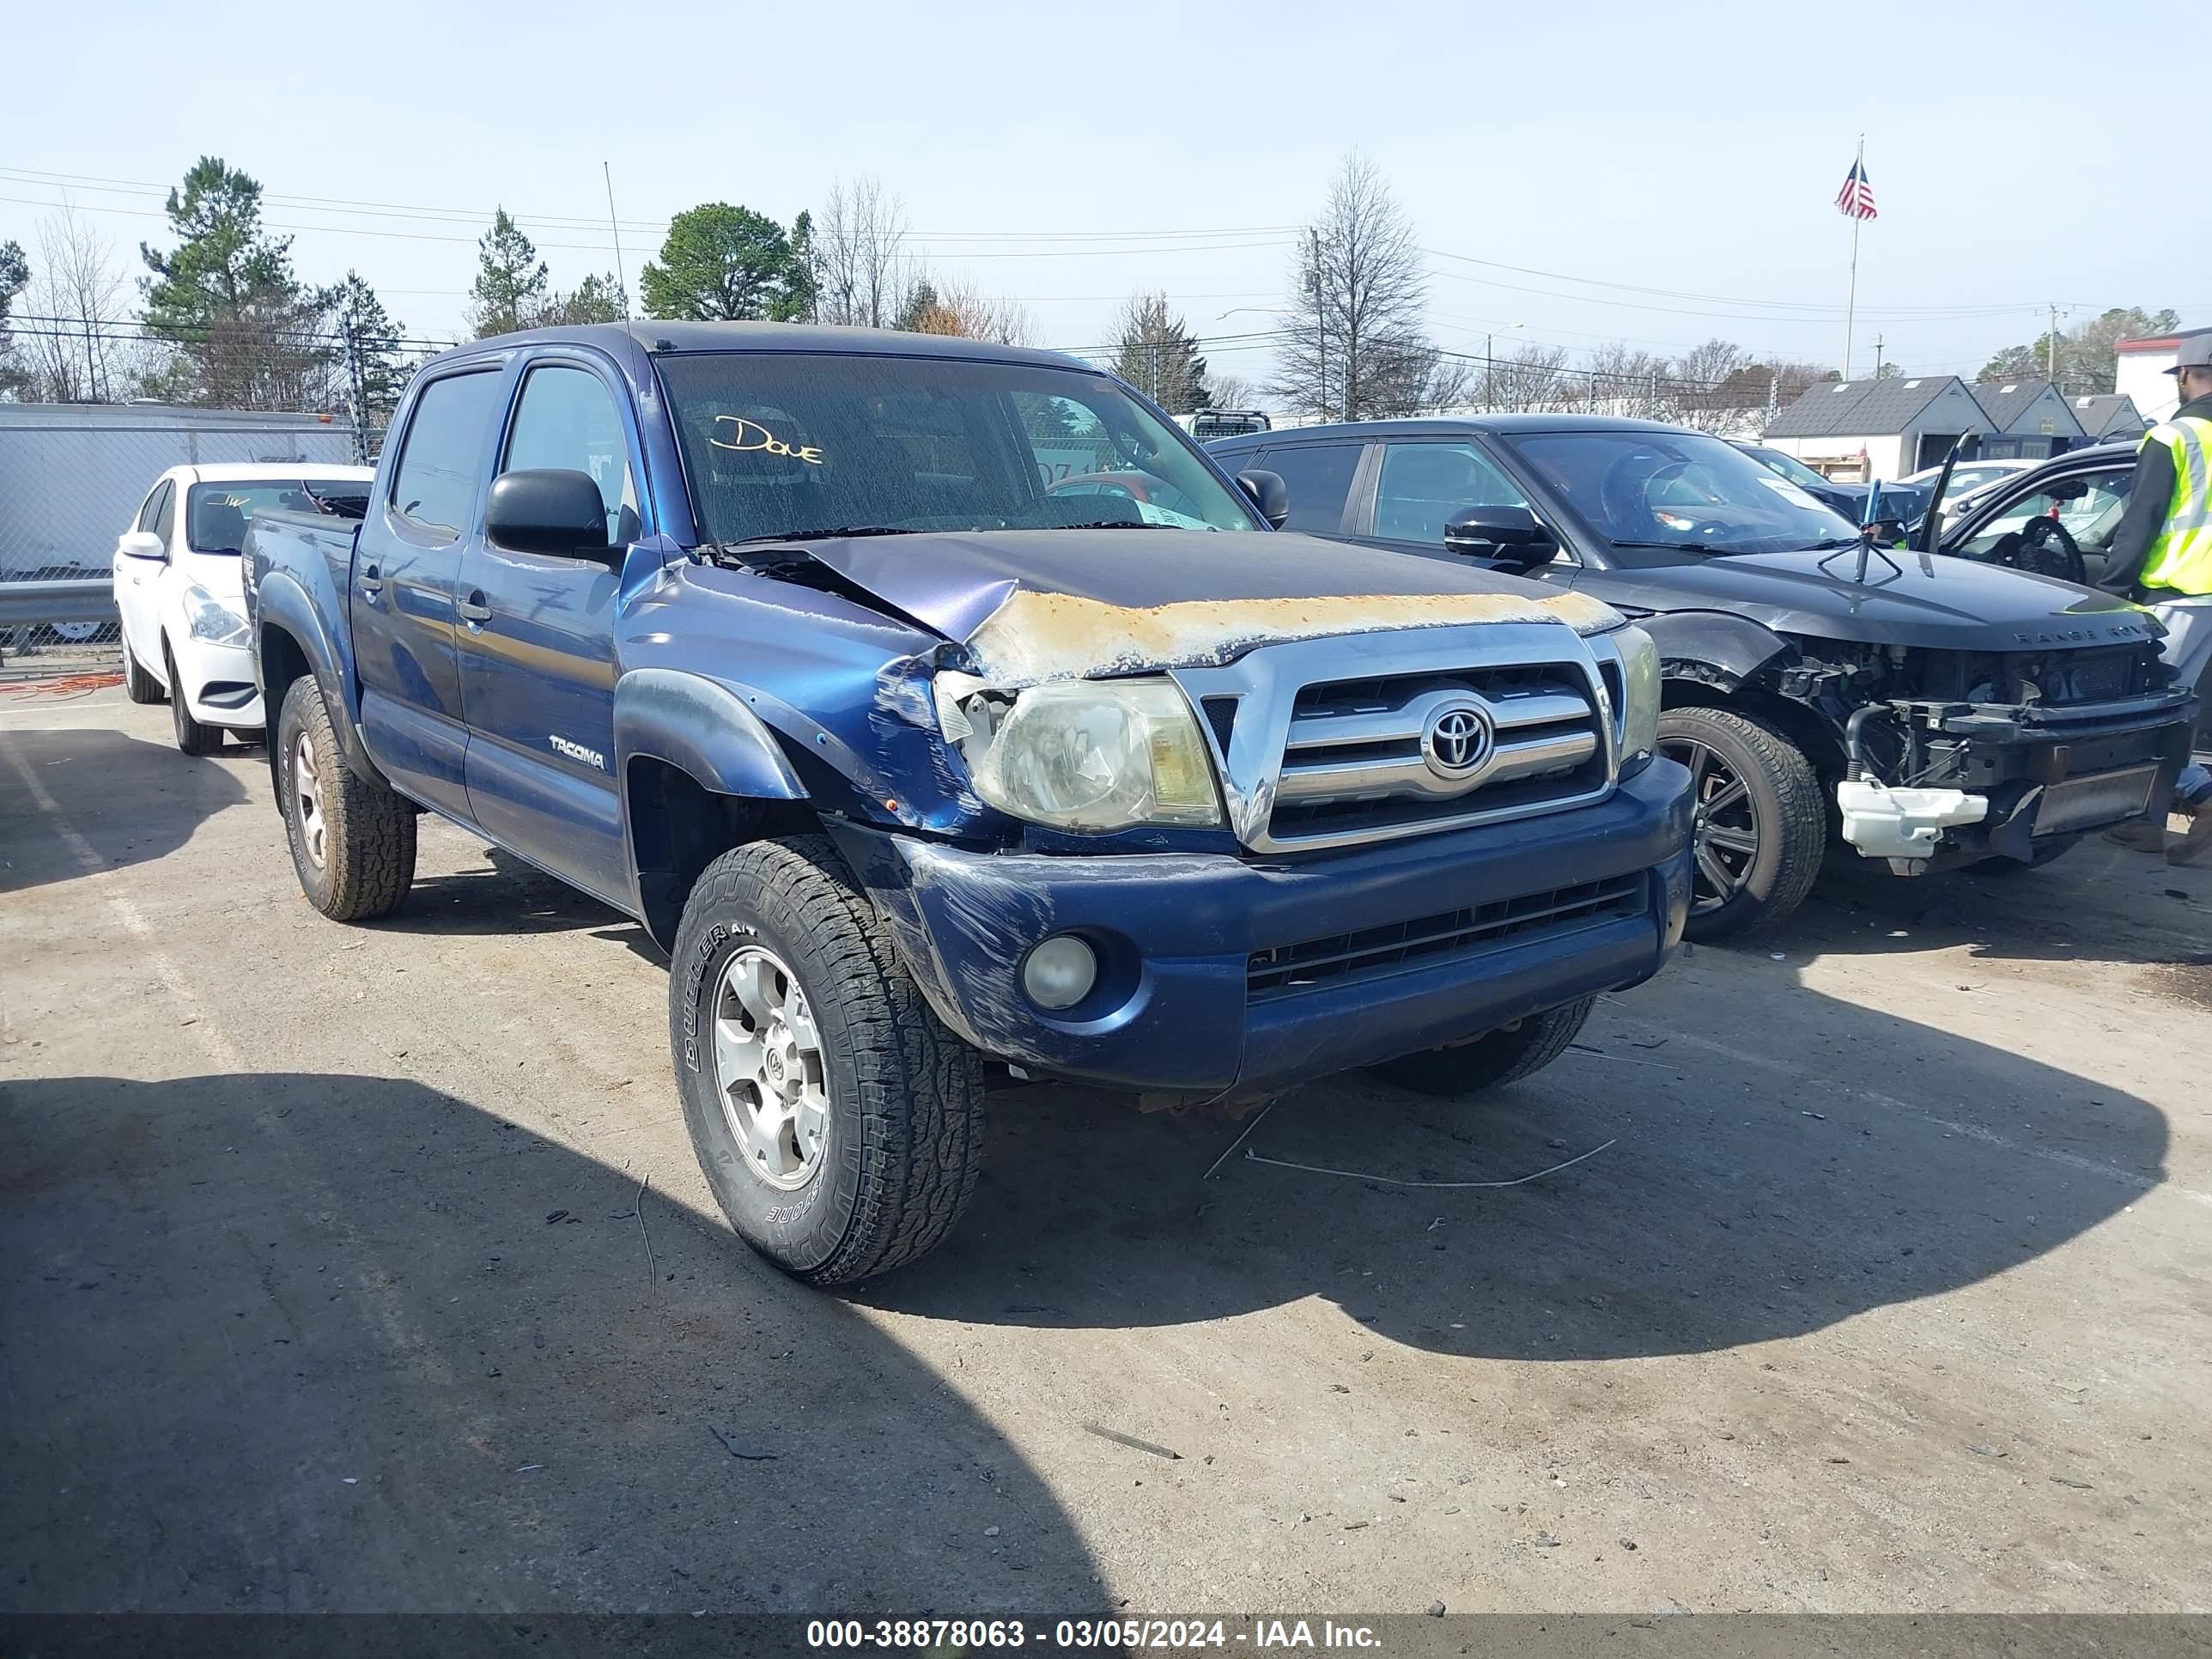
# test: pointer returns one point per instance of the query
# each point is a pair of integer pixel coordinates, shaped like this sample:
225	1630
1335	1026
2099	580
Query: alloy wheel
1724	835
769	1073
307	796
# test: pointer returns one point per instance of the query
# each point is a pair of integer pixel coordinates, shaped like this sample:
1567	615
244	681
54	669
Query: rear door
536	642
405	564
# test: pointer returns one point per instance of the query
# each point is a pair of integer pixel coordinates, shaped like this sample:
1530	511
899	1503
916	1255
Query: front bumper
218	685
1507	920
2050	776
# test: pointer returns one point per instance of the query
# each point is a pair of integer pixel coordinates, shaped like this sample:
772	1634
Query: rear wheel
138	685
1505	1055
353	840
1761	829
838	1123
193	736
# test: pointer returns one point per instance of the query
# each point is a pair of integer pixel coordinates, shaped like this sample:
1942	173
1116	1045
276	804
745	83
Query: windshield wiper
1113	524
1672	547
843	533
1833	542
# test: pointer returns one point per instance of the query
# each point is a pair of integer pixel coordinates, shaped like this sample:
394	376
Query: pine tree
510	285
380	367
720	262
245	334
1158	355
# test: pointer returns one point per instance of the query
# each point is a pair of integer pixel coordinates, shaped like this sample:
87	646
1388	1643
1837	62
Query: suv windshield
1786	466
215	514
786	444
1677	490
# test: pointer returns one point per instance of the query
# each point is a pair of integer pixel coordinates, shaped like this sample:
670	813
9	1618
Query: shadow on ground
307	1343
1741	1202
132	801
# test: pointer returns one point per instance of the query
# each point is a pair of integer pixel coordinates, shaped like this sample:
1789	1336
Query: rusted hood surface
1057	603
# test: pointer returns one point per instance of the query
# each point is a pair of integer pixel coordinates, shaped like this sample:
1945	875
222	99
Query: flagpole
1852	295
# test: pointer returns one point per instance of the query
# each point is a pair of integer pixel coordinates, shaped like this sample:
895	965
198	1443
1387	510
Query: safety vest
2181	556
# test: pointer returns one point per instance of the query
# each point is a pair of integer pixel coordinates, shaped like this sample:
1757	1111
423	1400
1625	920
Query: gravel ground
369	1268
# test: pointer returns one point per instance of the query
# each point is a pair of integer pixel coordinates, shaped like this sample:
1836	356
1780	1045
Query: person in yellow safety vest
2161	555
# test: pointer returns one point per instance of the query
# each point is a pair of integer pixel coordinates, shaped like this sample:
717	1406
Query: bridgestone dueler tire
138	685
1788	808
368	834
193	738
904	1141
1490	1062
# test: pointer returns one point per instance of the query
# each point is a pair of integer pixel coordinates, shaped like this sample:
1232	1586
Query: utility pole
2051	348
1489	369
1320	325
356	398
1877	356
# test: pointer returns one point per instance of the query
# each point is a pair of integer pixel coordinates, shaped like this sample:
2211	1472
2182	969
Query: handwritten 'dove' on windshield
750	435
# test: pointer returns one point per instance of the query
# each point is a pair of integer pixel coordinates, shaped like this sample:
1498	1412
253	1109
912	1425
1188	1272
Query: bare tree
1701	390
956	307
1624	381
856	254
77	351
1231	391
1355	346
1536	379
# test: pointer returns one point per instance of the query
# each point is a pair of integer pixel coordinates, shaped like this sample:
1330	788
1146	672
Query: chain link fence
75	476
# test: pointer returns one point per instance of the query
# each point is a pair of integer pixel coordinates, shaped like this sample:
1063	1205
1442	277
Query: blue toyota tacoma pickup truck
824	655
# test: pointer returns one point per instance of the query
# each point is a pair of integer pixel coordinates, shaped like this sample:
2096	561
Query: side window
151	513
1318	477
165	521
567	419
434	487
1424	484
2088	508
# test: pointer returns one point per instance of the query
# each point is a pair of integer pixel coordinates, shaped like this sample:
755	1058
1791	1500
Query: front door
536	648
138	581
405	564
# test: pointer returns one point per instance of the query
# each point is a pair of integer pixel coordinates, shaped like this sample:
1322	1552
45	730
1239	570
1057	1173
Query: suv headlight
1093	755
212	619
1639	676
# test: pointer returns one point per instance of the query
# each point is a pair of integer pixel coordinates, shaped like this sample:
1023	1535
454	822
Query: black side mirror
1505	535
1268	492
547	510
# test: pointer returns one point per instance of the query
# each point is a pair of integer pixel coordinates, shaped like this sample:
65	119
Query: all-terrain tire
1505	1055
138	685
903	1145
366	833
1789	817
193	736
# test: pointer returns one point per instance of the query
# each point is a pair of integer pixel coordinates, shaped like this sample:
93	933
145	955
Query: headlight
211	619
1639	673
1097	754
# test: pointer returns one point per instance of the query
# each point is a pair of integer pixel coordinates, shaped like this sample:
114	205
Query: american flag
1855	199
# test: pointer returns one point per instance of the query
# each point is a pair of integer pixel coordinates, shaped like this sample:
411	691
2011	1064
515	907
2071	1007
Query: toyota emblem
1457	741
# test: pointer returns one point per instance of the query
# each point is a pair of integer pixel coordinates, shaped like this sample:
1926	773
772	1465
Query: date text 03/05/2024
1289	1634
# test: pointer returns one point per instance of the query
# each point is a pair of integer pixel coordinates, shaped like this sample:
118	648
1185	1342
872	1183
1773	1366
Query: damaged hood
1039	604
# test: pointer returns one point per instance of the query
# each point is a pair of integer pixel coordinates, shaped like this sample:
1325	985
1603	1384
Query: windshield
215	514
1787	466
1677	490
786	444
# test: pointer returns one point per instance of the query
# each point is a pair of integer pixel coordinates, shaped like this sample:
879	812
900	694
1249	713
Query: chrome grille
1288	969
1390	754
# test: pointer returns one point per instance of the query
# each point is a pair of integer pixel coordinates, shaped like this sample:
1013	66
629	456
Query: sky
1577	174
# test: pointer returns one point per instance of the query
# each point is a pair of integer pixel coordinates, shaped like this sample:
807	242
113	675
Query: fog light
1060	973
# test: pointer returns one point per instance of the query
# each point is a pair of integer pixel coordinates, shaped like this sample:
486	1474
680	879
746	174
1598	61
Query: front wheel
838	1123
1761	829
1505	1055
193	736
353	839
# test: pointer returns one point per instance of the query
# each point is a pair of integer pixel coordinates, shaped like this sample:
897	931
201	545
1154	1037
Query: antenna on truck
622	276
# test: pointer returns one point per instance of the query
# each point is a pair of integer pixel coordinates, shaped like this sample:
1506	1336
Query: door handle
372	581
473	610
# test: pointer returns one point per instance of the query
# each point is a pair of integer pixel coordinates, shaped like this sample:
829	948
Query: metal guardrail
85	600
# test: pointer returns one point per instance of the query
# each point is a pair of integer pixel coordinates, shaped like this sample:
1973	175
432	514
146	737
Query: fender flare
280	603
701	727
1735	648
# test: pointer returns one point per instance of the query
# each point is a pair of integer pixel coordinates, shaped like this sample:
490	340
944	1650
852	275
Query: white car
179	592
1967	478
